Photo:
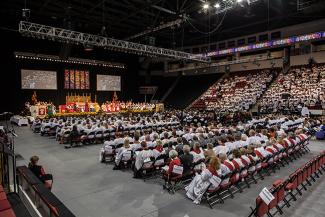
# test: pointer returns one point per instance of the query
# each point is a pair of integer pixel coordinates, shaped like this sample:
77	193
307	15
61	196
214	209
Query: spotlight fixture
217	5
206	6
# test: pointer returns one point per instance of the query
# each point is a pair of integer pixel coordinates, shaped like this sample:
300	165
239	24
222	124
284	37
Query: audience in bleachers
237	92
290	92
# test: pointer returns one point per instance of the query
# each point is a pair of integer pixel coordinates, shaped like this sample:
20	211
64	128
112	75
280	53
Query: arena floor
92	189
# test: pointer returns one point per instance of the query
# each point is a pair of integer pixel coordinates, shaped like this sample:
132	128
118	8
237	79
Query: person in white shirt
136	144
122	151
221	148
140	159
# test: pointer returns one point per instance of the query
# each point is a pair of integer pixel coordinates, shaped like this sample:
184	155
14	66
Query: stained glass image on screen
75	79
38	79
108	83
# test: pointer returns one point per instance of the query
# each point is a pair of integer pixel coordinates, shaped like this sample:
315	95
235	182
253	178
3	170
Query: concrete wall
319	57
266	64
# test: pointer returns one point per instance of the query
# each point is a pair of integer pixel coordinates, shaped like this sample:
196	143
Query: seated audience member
136	144
221	148
198	157
159	147
223	168
179	146
174	160
126	147
201	182
39	172
141	156
209	153
186	159
74	135
237	161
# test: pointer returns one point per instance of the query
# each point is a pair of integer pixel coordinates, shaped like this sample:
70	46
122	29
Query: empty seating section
189	88
238	91
301	85
287	191
5	207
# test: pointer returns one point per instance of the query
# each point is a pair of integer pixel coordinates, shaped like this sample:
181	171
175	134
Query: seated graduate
74	134
126	147
209	153
198	155
173	155
186	159
39	172
141	156
201	182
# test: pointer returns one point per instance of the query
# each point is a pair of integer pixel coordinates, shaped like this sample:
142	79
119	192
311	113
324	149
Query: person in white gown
201	182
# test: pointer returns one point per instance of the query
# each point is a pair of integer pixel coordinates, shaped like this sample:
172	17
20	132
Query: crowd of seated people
290	92
235	93
207	150
82	130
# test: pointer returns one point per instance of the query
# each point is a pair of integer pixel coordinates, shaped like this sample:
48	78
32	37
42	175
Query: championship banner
77	79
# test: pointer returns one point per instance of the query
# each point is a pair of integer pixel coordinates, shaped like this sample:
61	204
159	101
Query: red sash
227	164
259	154
237	167
244	162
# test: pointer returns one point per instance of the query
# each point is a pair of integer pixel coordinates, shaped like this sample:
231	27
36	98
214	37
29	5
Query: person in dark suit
186	159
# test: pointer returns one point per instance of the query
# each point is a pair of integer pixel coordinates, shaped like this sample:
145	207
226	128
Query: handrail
46	203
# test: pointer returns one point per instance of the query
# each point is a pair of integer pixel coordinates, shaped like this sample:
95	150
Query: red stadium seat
4	204
7	213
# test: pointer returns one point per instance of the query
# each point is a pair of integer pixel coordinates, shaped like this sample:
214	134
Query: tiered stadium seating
286	191
239	91
301	85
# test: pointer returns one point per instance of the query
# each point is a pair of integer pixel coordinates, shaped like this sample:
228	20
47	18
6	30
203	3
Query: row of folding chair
286	192
239	179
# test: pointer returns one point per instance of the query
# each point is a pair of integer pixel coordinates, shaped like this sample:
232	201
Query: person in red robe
86	107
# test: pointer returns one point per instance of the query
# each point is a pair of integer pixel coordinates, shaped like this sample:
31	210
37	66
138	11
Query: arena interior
162	108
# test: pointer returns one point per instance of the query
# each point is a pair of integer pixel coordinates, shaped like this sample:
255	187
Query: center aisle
92	189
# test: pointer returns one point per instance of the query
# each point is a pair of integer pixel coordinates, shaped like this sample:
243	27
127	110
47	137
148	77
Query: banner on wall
77	79
72	83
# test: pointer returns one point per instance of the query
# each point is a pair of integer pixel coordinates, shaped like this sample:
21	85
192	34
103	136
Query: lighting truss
223	63
155	29
68	36
225	5
70	60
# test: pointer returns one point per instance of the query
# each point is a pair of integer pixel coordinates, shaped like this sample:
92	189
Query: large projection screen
108	83
38	79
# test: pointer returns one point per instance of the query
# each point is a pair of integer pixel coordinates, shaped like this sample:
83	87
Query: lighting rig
221	6
68	36
70	60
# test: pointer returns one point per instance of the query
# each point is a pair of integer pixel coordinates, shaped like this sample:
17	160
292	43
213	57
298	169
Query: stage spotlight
206	6
239	1
217	5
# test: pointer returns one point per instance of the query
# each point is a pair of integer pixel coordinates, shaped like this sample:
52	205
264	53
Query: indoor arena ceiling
125	18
